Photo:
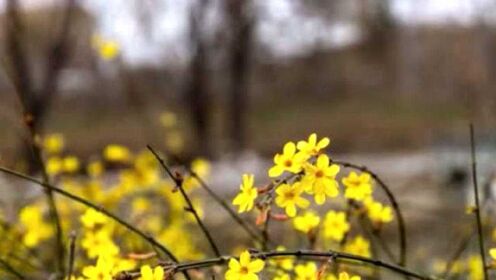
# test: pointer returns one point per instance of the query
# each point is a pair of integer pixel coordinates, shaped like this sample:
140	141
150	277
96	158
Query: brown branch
58	55
179	185
26	95
477	201
294	253
463	245
72	254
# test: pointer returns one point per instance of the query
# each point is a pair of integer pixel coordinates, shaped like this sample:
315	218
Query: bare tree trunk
35	102
240	21
197	85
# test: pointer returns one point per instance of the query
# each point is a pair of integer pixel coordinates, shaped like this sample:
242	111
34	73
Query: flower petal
289	149
256	266
244	259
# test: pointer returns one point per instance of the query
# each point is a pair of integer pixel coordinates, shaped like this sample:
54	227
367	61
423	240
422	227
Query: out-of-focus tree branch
240	20
196	88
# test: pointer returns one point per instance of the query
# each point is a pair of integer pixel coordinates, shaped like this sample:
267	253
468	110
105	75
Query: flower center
355	184
243	270
289	195
288	163
319	174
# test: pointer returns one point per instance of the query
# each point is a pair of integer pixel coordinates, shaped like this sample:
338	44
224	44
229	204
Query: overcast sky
281	27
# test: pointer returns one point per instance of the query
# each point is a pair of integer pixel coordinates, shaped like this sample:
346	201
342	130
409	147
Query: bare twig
463	245
477	201
190	207
319	255
394	204
265	231
26	95
72	254
369	230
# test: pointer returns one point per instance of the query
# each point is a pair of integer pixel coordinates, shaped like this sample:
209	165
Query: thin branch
190	207
463	245
57	58
293	253
11	270
477	202
72	254
100	209
265	231
394	204
26	96
369	230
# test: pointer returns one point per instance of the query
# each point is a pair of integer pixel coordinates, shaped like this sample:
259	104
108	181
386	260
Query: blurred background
374	75
393	83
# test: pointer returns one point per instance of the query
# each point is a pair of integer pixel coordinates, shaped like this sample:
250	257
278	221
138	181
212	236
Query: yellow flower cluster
304	174
129	184
36	229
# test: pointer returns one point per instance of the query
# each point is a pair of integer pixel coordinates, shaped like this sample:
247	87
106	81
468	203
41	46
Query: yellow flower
312	147
335	225
475	268
168	119
101	271
148	274
306	272
245	268
289	160
108	50
140	205
331	277
95	168
306	222
92	219
377	212
174	141
346	276
70	164
117	153
281	276
358	187
245	199
200	167
99	243
289	196
180	241
358	246
53	143
492	253
37	230
320	179
54	166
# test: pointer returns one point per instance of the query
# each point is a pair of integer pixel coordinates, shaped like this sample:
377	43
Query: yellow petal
256	266
244	259
275	171
289	148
